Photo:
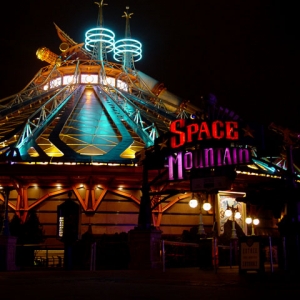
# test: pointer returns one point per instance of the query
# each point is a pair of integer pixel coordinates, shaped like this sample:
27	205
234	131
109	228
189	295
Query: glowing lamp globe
193	203
237	215
206	206
248	220
255	221
228	212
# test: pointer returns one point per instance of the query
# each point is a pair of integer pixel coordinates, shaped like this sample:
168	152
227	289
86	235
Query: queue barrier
205	254
39	256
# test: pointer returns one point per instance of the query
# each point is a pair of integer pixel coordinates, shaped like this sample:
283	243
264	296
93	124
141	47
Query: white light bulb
193	203
206	206
237	215
248	220
228	212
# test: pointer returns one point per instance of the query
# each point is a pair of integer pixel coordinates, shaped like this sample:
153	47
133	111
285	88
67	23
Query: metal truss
35	88
125	113
38	120
141	114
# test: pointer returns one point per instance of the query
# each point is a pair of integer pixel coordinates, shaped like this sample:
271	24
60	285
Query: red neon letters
182	133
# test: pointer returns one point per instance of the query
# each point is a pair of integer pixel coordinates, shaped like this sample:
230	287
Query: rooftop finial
100	16
127	16
100	40
128	49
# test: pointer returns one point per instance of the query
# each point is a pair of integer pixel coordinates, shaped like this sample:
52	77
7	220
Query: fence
179	254
39	256
208	254
114	255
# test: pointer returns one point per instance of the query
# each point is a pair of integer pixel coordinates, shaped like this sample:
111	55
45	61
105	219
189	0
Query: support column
7	242
5	225
289	225
145	239
144	246
145	213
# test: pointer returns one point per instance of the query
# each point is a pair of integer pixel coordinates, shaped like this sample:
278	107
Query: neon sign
124	46
205	158
182	133
100	35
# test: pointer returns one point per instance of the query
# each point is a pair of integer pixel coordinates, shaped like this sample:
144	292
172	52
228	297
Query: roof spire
128	50
100	14
99	41
127	27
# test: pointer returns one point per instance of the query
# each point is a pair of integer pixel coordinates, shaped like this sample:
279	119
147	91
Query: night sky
246	53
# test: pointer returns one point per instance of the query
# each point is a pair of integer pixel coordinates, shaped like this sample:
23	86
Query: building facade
111	138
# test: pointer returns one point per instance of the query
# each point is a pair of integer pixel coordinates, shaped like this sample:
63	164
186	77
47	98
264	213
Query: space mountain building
78	126
92	129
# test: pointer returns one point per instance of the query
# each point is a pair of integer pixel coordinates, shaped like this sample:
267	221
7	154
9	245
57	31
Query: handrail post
230	254
47	262
284	254
215	253
163	255
93	257
271	254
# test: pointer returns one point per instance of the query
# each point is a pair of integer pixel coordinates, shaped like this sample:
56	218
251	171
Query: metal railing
39	256
191	254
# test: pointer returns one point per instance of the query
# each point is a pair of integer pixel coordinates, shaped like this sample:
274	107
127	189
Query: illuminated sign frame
201	134
183	133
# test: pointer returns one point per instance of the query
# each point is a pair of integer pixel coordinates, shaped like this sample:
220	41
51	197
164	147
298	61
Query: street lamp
234	212
206	206
193	203
253	222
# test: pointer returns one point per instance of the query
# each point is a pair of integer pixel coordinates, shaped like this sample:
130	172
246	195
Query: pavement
172	283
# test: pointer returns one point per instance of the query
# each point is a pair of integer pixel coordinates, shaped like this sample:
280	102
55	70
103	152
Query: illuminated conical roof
82	107
83	113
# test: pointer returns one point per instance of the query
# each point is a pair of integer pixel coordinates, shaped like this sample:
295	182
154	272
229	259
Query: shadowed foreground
188	283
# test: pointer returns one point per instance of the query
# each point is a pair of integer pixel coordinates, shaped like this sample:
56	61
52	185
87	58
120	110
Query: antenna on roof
128	50
99	40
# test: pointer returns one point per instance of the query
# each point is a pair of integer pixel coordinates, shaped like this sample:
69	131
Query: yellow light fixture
193	202
206	206
248	220
237	215
255	221
228	212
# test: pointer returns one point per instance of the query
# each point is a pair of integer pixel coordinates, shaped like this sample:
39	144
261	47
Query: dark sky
246	53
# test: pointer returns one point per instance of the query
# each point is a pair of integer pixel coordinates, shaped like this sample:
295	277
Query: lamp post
253	222
206	206
234	212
